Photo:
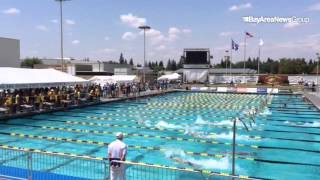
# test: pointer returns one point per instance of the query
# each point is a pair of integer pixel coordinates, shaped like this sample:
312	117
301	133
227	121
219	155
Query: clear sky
101	29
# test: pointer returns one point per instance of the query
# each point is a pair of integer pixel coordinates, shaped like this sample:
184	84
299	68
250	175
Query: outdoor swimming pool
192	130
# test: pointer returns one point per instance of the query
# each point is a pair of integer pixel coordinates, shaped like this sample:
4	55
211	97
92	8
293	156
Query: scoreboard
197	56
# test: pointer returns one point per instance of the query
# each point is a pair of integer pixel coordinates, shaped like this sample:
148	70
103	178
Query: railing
22	163
38	164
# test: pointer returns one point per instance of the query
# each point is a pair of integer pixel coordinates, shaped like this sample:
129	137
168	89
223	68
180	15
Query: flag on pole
248	34
234	45
261	42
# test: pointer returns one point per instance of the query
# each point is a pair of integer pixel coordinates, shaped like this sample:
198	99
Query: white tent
102	80
170	77
125	78
114	79
18	78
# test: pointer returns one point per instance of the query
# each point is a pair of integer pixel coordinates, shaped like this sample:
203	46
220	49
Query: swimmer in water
196	134
182	161
140	122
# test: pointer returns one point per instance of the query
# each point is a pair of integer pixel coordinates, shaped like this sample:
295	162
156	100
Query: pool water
190	130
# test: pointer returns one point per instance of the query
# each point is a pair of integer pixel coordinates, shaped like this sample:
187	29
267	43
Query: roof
114	79
34	78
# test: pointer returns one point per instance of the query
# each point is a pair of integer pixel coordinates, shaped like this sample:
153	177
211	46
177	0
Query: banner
262	90
221	89
241	90
273	79
231	89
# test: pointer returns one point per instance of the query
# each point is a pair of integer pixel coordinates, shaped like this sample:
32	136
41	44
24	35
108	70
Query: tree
169	66
161	65
30	62
181	62
131	62
121	59
174	65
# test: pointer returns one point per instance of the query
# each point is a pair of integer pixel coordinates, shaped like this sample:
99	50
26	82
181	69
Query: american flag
248	34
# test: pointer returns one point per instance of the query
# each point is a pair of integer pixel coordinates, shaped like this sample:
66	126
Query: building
223	76
87	69
9	52
196	65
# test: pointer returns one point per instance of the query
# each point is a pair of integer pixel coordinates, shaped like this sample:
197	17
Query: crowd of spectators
38	99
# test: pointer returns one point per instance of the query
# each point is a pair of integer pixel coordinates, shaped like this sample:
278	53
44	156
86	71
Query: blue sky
101	29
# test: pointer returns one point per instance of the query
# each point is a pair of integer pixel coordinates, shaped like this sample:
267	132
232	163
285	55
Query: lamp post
318	58
61	32
144	28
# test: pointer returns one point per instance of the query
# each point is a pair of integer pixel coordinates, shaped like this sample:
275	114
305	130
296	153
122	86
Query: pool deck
101	101
314	98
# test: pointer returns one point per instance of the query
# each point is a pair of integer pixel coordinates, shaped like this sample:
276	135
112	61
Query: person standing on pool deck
117	150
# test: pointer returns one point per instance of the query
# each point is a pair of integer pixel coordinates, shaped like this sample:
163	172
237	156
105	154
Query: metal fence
30	164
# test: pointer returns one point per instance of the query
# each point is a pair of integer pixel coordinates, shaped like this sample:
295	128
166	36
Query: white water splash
266	112
163	124
230	136
220	164
179	154
200	121
314	124
224	123
287	122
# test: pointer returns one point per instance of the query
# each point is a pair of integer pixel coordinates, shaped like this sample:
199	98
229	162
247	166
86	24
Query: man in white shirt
117	150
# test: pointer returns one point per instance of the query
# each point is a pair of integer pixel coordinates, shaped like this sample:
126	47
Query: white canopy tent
114	79
19	78
102	80
170	77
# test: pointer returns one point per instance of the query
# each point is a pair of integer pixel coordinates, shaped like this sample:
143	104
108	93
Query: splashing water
163	124
200	121
220	164
230	136
174	152
314	124
266	112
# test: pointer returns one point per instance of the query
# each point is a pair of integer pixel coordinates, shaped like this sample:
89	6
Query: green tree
121	59
161	65
131	62
169	65
30	62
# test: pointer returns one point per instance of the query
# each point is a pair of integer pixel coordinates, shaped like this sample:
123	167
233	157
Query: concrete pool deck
314	98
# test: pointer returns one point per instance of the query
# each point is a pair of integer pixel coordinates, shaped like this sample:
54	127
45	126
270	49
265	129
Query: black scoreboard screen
196	57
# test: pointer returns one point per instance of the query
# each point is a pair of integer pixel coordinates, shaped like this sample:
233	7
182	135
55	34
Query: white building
9	52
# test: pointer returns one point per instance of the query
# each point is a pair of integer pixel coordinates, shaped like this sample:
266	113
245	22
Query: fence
22	163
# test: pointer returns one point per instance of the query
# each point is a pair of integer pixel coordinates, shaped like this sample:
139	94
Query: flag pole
244	53
231	61
259	55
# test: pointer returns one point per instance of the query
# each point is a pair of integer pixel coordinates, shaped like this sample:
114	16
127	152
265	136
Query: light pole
61	32
318	58
144	28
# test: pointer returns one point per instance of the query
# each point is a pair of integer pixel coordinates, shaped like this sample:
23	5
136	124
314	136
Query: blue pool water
284	142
